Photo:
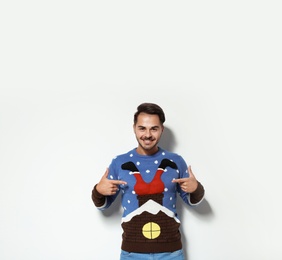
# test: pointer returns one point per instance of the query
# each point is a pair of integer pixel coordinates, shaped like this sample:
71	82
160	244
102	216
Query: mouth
147	141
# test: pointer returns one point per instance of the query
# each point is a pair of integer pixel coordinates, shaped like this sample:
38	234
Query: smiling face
148	131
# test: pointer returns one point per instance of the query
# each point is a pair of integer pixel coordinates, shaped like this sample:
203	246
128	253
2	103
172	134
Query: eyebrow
155	126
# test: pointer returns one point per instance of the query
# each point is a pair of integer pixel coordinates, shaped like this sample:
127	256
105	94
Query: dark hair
150	108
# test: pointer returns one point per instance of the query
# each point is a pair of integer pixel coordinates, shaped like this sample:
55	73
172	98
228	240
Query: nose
148	133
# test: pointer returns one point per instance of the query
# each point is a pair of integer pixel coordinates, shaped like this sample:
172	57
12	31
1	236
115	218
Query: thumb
191	174
105	176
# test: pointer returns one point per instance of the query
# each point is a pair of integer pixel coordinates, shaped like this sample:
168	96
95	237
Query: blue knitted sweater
150	222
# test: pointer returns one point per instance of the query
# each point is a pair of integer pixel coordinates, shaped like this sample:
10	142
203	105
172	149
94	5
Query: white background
72	75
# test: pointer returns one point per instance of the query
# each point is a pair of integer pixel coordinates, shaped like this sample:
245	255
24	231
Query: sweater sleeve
98	199
198	195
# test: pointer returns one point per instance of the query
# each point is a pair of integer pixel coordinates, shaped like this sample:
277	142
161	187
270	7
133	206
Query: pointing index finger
117	182
179	180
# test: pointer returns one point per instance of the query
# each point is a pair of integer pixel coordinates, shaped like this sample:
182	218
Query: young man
149	179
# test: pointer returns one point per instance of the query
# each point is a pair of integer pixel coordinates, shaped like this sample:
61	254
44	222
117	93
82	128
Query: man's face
148	130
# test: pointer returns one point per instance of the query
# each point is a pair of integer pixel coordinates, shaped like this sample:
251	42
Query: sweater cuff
198	194
98	198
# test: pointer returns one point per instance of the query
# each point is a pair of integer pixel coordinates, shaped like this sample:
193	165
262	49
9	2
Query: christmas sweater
150	222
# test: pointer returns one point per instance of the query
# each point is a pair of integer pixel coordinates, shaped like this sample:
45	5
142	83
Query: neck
142	151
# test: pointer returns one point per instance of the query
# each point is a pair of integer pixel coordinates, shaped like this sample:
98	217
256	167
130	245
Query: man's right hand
108	187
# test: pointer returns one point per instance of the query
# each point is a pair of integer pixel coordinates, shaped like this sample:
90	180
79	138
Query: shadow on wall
167	141
203	210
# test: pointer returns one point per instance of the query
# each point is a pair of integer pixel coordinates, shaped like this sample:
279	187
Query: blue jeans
176	255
